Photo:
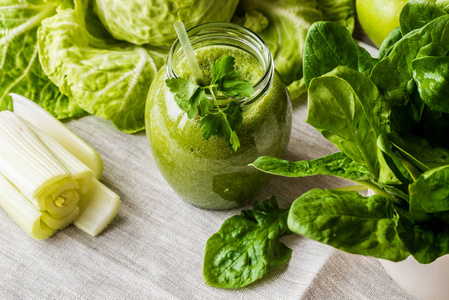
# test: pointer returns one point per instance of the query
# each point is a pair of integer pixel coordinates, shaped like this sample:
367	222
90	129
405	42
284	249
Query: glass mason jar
208	173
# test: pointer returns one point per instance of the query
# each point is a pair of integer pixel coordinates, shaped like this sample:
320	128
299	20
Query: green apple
379	17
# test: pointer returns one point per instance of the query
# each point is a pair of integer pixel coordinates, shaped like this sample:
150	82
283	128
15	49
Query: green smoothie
208	173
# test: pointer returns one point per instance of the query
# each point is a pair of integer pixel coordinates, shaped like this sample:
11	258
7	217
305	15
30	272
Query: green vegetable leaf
392	38
104	77
431	74
234	115
393	74
21	71
213	124
419	151
376	109
395	125
349	222
247	246
283	25
365	61
425	241
151	22
338	11
392	169
189	97
228	80
192	98
223	124
431	190
345	123
417	13
329	45
253	20
443	4
336	164
233	85
221	68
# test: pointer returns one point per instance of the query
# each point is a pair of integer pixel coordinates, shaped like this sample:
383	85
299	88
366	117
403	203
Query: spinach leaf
345	123
425	241
392	169
349	222
247	246
329	45
399	193
392	38
424	229
365	61
431	75
377	112
419	151
431	190
393	74
376	109
336	164
443	4
417	13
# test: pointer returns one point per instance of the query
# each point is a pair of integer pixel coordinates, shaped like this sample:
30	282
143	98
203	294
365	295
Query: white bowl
425	282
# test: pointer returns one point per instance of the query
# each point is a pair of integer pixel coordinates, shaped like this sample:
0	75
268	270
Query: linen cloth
154	248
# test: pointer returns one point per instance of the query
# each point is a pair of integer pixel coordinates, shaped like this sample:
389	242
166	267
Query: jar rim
237	32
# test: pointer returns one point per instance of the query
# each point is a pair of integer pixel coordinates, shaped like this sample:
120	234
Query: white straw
188	51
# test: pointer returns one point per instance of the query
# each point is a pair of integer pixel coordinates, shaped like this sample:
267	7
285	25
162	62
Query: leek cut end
97	208
40	231
59	223
22	211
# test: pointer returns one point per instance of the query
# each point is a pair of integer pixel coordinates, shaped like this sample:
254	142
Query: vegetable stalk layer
40	181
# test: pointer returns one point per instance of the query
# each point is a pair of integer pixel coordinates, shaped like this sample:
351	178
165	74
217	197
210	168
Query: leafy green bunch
215	121
389	116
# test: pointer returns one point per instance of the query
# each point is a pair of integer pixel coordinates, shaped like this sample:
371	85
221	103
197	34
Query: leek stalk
44	187
43	120
22	211
97	208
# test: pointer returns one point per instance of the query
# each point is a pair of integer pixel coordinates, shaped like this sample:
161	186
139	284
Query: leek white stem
22	211
25	155
25	161
77	169
97	208
45	186
43	120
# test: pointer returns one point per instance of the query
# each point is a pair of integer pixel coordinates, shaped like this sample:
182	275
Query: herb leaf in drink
215	121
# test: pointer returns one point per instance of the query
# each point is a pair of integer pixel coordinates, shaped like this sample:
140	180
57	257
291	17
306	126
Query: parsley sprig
215	120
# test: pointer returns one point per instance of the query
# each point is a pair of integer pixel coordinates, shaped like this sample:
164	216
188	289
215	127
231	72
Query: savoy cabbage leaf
20	69
283	25
105	77
151	22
